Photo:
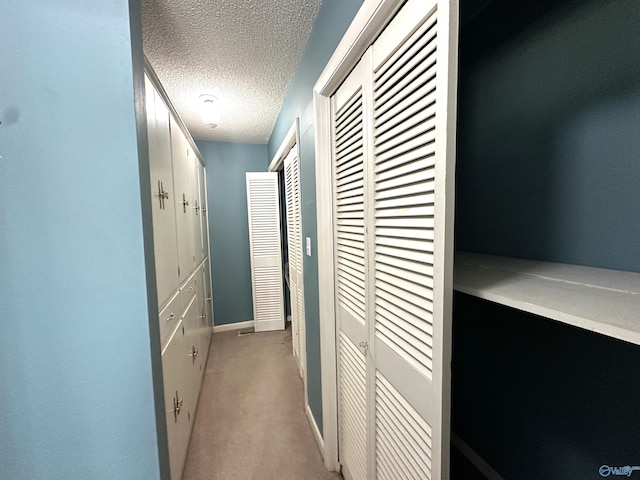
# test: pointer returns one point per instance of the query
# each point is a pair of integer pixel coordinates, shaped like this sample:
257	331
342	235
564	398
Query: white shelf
599	300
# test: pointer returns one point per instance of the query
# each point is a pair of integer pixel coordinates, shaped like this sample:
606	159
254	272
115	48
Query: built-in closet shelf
596	299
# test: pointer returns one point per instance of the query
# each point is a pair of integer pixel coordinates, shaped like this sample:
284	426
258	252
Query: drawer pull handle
170	317
194	353
177	406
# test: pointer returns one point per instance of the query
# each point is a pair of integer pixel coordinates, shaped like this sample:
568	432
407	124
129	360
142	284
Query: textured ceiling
244	52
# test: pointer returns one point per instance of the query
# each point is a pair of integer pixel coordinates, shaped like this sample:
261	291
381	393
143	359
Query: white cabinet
174	363
200	230
164	221
182	267
208	293
183	172
169	318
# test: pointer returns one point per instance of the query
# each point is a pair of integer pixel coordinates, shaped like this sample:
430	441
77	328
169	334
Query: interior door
294	234
394	142
414	102
350	150
263	204
291	240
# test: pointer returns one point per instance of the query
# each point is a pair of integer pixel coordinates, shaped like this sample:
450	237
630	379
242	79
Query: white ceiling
244	52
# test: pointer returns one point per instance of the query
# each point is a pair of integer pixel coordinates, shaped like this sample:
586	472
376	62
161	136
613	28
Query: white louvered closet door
291	240
393	159
263	205
351	251
294	232
414	88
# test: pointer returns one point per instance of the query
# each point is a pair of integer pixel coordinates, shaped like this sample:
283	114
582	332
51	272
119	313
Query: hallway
251	422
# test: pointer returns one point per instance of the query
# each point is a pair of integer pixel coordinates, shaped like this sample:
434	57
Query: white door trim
291	138
371	19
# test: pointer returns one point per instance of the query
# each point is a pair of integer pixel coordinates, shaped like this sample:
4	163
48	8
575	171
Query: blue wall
332	22
227	164
76	387
548	168
548	137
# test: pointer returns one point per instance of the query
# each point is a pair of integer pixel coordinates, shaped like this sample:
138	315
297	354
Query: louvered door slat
352	378
402	434
399	111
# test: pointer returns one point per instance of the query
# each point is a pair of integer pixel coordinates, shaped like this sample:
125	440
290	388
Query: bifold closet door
399	294
263	205
294	234
291	240
414	78
351	252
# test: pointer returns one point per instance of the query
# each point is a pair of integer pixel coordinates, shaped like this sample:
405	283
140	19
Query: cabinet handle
203	316
171	317
177	406
194	353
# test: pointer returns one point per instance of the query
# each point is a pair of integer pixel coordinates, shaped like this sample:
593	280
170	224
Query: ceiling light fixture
209	111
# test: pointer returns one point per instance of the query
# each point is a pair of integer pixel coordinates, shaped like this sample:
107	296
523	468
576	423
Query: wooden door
263	205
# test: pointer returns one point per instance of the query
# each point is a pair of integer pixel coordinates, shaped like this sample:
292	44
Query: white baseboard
482	466
315	430
232	326
269	325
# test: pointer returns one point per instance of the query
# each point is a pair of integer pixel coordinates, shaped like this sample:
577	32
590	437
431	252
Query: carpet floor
251	422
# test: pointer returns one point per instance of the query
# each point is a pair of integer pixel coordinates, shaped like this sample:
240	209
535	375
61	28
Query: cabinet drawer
188	291
176	398
169	318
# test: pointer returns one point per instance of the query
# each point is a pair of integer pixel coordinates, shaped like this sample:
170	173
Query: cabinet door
183	171
200	233
209	293
194	354
163	211
174	365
